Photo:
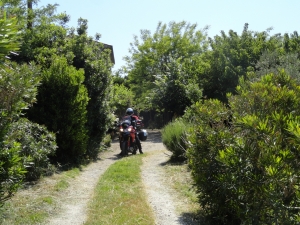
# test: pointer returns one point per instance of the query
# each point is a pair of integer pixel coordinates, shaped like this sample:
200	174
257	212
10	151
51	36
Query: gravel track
73	202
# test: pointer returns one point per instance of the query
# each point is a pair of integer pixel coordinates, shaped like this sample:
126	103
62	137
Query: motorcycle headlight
121	129
129	129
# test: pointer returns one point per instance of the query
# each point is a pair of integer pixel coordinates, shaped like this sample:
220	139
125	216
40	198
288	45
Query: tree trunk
29	14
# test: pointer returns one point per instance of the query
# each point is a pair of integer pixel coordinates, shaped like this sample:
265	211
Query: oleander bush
36	145
247	173
18	89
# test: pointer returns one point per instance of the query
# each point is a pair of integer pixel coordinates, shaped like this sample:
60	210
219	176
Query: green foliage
18	85
265	154
118	77
174	138
94	58
290	43
166	56
12	169
209	135
122	98
46	38
231	57
273	62
247	174
49	37
107	141
8	36
98	83
174	90
61	106
18	88
36	144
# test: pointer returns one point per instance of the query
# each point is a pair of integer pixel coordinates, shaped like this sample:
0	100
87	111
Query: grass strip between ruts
119	197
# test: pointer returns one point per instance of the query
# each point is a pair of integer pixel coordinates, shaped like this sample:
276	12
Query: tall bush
61	107
94	58
51	36
18	88
248	173
264	154
209	135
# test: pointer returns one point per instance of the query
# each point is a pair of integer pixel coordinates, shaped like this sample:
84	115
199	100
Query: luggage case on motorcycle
143	135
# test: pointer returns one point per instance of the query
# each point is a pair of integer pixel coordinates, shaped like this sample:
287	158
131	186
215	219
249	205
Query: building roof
110	47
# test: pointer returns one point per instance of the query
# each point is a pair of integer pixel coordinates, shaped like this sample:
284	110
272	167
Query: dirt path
160	197
73	202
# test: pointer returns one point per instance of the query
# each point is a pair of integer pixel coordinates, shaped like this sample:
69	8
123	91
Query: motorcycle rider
134	118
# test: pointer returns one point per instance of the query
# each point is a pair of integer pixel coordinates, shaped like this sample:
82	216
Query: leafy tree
175	90
156	60
231	57
46	38
274	62
290	43
122	98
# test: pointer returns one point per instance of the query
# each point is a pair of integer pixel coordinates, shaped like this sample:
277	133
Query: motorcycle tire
124	146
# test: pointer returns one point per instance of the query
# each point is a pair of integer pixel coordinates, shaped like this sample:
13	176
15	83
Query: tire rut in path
74	207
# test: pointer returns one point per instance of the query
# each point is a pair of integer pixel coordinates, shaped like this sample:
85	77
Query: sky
119	20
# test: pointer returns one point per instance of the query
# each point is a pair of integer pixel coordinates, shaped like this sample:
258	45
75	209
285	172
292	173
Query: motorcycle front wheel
124	147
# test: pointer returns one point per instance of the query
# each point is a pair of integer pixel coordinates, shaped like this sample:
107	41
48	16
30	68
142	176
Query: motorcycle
127	138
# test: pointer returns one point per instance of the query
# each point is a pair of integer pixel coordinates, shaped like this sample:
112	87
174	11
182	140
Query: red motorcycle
127	138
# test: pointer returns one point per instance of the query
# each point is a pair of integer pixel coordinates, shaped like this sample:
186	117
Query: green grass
61	185
34	209
72	173
28	210
119	197
179	178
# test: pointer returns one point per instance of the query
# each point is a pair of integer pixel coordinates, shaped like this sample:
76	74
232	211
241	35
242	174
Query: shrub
12	169
61	106
36	145
262	164
18	88
174	138
208	135
248	174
